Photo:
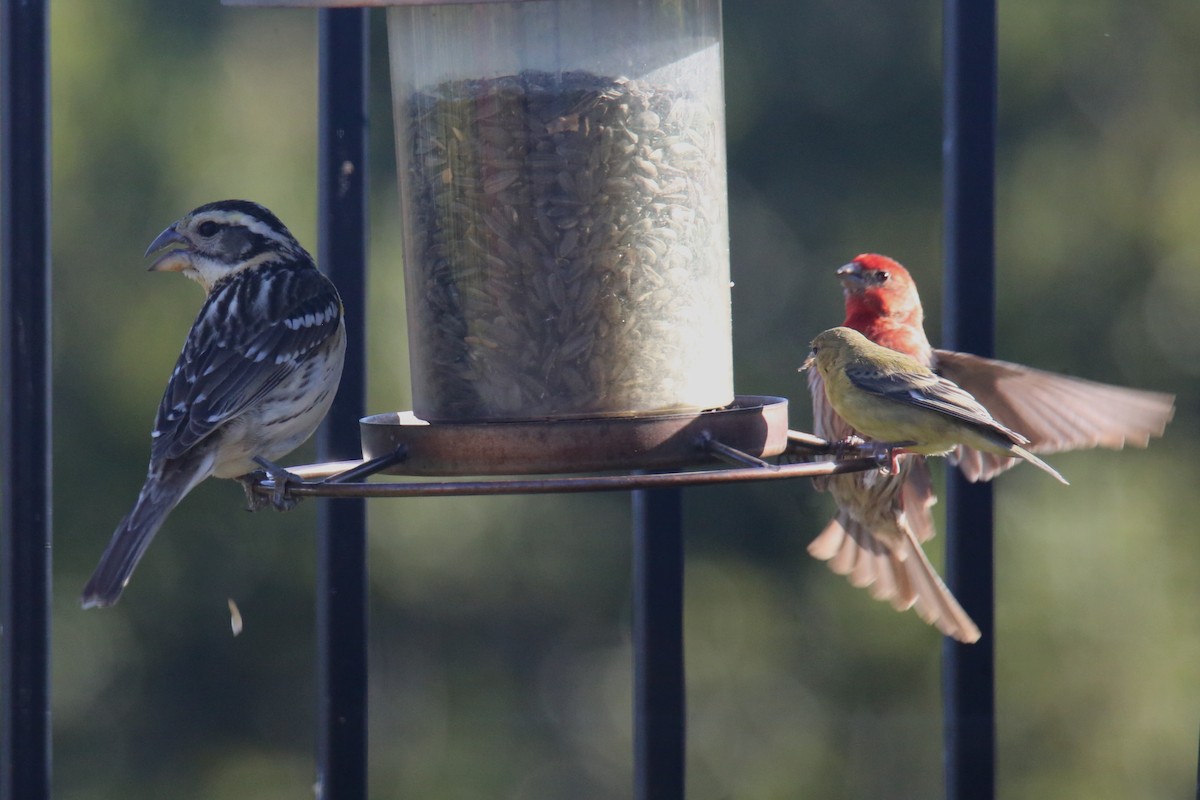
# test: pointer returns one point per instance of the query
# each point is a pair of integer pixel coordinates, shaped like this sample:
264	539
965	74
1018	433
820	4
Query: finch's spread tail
903	576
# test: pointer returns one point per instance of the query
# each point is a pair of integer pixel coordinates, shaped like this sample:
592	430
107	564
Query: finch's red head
881	300
873	274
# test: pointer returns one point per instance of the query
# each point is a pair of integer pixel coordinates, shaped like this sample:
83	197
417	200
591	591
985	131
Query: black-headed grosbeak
257	374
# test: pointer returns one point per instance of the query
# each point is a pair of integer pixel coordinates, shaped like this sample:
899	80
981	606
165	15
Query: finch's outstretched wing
1056	412
929	391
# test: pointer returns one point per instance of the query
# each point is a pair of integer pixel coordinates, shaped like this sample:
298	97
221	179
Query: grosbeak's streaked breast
257	374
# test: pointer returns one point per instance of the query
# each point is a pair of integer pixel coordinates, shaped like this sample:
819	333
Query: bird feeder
563	206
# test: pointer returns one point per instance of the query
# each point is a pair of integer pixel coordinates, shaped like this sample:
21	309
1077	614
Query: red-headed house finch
868	540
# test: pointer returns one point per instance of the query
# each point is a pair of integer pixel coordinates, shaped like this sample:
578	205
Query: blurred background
500	657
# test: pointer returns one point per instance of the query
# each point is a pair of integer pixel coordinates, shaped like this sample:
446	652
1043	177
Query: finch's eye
207	229
882	276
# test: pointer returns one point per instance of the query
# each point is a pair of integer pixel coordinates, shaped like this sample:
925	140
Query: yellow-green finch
892	397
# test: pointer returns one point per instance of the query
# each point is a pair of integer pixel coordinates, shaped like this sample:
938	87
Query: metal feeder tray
751	424
725	445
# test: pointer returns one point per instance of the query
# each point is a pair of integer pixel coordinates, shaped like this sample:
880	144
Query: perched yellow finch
257	374
891	397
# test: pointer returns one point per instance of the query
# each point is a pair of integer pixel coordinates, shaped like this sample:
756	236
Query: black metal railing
342	535
659	703
25	407
969	98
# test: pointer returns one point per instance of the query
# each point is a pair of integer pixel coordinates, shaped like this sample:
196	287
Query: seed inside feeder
568	249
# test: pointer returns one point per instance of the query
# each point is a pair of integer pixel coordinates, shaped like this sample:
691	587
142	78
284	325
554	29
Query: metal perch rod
344	478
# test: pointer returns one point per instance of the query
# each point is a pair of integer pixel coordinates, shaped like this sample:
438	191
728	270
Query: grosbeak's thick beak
851	275
174	260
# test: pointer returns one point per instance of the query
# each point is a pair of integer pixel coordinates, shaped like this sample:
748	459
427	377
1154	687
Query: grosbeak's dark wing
225	368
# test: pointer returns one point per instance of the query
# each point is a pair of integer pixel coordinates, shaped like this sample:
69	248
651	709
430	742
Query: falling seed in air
235	617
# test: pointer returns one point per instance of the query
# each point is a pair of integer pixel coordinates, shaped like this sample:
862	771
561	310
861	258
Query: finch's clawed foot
885	454
849	447
280	497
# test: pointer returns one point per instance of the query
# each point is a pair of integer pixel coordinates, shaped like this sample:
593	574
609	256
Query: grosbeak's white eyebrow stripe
254	225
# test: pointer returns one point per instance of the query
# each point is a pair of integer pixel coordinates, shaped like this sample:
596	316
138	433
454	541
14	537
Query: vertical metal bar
341	555
25	377
970	88
658	687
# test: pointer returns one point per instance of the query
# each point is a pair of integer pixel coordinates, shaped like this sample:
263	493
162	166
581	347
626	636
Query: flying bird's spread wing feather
1055	412
826	422
898	573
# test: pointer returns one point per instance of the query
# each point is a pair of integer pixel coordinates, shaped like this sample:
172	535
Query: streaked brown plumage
257	374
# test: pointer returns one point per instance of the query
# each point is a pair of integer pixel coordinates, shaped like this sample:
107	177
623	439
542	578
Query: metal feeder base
752	425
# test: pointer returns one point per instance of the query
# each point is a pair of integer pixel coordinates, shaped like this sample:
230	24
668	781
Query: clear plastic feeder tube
564	211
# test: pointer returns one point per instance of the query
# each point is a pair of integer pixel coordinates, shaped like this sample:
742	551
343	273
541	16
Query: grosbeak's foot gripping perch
254	500
281	479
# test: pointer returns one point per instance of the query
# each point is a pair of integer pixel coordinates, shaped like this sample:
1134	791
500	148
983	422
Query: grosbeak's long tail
159	496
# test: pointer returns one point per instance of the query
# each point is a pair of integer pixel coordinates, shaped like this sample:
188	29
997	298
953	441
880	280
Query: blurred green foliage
500	626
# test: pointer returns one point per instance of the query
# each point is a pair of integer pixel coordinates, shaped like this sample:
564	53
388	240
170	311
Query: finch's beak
851	276
809	362
174	260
